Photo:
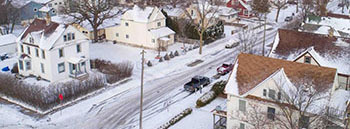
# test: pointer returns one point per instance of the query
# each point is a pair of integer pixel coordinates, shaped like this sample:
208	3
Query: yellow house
143	28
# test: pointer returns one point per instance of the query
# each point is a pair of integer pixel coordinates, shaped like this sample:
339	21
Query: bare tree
203	16
262	7
247	38
321	6
302	104
95	12
8	15
279	4
254	116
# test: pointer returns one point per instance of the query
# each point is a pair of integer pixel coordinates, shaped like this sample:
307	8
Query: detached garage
8	44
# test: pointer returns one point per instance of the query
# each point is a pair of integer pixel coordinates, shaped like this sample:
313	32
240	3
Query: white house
8	44
53	51
260	87
142	27
316	49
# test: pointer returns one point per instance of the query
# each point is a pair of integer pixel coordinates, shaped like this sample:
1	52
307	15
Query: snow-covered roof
339	24
250	71
232	85
226	11
328	51
47	35
75	60
173	12
339	98
42	1
45	9
138	14
245	5
7	39
19	3
161	32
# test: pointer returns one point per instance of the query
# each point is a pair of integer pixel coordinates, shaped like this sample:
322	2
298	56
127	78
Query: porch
77	68
219	118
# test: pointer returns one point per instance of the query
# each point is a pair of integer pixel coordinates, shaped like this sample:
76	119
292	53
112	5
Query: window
43	54
55	3
61	67
73	36
35	10
69	37
242	105
28	50
78	48
265	92
31	40
153	40
126	24
192	13
60	52
245	12
50	5
117	34
271	113
272	93
85	32
307	60
20	64
42	67
65	38
241	126
22	49
159	24
28	65
279	95
37	52
127	36
60	3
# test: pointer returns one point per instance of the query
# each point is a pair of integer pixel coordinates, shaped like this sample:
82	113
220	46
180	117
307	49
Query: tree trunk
95	40
263	49
200	43
297	7
278	13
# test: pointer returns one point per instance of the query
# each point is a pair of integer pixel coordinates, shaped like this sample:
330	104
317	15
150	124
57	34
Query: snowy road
121	111
119	107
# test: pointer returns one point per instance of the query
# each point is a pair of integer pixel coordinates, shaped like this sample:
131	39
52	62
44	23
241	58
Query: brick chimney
48	19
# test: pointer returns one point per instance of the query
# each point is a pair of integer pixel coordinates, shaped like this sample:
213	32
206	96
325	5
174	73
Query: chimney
48	19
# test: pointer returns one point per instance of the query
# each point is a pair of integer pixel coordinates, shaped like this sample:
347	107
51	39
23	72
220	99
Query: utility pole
142	72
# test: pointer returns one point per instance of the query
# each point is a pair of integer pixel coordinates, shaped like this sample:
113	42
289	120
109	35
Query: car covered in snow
232	45
224	68
196	83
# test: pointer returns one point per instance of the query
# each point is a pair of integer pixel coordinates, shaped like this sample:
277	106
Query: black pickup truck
196	83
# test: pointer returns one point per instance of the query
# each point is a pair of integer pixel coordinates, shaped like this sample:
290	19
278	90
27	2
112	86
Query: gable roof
138	14
330	51
253	69
40	25
44	35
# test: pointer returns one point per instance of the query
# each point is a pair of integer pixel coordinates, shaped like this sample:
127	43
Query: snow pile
206	98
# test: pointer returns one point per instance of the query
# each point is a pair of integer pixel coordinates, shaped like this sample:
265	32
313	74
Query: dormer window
159	24
307	60
264	92
69	37
126	24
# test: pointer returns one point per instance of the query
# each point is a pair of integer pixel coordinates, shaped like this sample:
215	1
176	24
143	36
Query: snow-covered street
119	106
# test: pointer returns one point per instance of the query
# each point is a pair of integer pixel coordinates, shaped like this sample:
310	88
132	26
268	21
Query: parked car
196	83
291	2
224	68
3	56
289	18
229	46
